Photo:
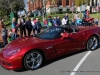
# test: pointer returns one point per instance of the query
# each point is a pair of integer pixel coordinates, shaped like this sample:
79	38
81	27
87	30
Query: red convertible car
31	52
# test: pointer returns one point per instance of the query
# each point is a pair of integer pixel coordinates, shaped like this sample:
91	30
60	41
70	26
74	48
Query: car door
78	39
72	43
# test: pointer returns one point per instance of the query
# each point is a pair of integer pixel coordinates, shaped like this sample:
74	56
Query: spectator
14	30
96	21
9	39
84	22
22	26
58	21
54	21
87	13
11	34
84	14
4	33
33	26
50	21
46	22
78	21
63	21
28	25
38	26
67	19
76	16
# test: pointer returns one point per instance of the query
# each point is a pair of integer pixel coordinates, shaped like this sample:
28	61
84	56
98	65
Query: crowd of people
20	28
29	26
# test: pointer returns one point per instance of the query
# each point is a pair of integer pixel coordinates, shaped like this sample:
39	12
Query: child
11	34
9	39
45	22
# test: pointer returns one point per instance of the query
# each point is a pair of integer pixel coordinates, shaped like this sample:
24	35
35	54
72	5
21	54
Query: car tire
33	60
92	43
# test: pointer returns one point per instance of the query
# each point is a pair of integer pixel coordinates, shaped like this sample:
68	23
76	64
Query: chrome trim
49	47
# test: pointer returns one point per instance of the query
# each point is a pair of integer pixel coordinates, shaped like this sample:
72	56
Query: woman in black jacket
38	26
28	25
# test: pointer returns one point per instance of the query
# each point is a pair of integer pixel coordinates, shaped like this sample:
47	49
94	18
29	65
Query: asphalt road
65	65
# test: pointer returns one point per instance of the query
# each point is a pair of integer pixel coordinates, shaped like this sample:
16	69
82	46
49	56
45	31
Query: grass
94	15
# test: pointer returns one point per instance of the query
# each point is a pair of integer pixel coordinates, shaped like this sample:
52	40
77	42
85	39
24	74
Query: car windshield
51	33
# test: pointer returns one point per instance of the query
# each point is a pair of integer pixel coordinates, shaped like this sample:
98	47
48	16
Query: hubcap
33	60
92	43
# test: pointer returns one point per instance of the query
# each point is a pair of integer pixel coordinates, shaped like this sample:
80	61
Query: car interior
72	29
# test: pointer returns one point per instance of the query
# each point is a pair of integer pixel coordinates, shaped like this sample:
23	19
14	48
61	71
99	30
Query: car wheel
33	60
92	43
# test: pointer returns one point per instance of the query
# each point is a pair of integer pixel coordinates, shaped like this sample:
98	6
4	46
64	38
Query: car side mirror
64	35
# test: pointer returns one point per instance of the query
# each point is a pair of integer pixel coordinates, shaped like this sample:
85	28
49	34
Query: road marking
79	64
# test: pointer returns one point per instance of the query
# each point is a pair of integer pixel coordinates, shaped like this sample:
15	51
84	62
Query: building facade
94	2
50	5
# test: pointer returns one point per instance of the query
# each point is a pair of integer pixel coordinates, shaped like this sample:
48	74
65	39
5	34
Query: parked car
31	52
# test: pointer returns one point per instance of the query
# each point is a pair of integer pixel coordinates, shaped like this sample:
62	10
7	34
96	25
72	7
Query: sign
82	8
11	16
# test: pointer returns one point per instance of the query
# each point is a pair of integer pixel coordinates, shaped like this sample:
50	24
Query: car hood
22	42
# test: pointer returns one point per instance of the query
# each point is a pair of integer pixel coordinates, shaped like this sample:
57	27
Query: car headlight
13	52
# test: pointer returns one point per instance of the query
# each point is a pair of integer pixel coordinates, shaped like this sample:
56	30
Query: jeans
4	39
38	31
14	36
29	32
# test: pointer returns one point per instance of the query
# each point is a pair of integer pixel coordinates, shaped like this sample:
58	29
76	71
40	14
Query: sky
23	12
25	1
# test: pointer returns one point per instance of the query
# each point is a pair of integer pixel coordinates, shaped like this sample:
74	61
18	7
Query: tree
80	2
11	5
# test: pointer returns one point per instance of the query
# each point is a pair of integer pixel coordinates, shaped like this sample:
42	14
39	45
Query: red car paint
50	48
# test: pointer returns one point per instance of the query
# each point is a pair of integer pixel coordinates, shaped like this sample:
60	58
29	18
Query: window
59	2
93	3
67	2
50	33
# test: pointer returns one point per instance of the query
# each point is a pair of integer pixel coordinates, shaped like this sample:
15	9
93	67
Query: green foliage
80	2
8	6
7	21
2	13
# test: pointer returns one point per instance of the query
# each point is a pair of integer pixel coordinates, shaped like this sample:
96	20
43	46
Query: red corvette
31	52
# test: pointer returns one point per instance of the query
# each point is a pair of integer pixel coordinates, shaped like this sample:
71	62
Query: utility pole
43	8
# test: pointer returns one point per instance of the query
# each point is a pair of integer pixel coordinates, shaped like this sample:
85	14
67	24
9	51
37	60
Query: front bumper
11	64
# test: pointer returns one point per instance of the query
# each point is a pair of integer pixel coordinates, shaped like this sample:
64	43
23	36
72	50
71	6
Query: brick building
51	5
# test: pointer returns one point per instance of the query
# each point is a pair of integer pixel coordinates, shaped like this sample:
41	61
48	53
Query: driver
66	33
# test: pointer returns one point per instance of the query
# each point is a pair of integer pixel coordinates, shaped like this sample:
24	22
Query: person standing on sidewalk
28	25
14	29
38	26
22	26
33	26
63	21
58	21
67	19
4	33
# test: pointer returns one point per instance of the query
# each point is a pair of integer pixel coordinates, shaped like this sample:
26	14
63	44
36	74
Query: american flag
97	7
